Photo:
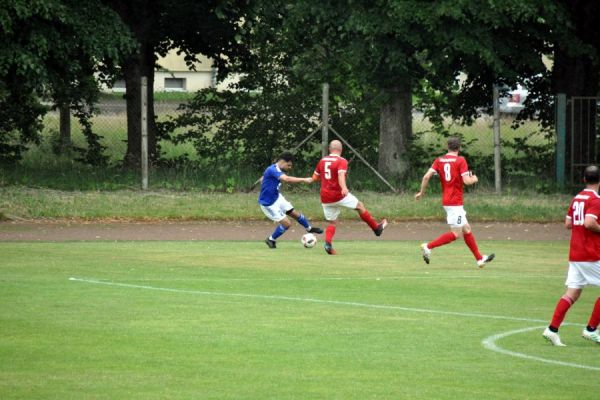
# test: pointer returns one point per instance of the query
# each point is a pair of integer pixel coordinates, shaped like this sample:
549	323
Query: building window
175	84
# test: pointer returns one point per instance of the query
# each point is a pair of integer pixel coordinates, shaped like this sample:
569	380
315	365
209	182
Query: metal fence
527	151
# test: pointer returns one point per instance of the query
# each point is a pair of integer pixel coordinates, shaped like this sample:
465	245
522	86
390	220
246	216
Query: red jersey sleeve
593	210
436	165
318	168
570	210
343	165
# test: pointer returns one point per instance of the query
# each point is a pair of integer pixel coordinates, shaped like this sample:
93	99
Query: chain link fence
527	149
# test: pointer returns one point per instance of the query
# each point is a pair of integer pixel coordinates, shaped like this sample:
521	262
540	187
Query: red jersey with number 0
328	170
451	169
585	244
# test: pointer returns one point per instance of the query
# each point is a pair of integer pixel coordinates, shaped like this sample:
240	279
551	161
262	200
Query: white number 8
447	172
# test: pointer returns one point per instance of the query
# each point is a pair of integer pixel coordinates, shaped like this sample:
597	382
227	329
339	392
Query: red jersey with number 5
328	170
585	244
451	169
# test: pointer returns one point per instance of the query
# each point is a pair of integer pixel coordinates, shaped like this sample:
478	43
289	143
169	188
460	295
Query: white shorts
456	216
583	273
277	211
332	210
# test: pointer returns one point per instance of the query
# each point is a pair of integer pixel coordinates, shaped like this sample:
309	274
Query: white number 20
327	170
447	172
578	216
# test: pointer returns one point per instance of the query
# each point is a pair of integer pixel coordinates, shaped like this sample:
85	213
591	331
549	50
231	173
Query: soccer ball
309	240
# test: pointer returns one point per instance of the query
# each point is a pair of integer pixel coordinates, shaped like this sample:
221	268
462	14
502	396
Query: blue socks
280	230
303	221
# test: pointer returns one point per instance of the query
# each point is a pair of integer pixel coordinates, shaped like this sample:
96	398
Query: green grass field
216	320
21	202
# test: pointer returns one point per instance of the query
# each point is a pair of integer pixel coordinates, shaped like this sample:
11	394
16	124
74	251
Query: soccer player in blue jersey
274	205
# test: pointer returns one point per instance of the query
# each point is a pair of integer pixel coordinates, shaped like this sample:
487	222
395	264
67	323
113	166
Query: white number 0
447	172
578	217
327	170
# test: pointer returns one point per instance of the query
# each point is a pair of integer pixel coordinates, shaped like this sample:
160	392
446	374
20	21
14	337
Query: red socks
369	220
446	238
595	317
562	307
329	232
470	241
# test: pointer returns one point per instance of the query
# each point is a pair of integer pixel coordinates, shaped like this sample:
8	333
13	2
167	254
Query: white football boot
553	338
486	259
426	253
591	336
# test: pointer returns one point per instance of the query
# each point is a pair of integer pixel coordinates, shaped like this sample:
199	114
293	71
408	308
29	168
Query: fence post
497	153
561	138
325	121
144	150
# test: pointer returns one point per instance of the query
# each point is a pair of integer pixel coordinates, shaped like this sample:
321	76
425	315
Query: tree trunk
134	68
141	20
395	132
64	138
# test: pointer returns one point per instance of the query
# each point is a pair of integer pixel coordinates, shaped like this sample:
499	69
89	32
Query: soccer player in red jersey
332	171
454	173
584	257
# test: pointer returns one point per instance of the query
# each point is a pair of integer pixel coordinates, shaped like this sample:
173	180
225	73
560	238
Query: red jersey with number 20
451	169
585	244
327	170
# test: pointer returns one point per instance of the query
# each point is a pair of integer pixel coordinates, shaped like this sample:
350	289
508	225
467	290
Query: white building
173	75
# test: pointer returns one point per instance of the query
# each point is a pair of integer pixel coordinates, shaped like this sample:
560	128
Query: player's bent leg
426	248
471	243
302	220
364	214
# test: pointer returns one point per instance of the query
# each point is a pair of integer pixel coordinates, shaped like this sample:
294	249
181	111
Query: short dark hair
453	144
591	174
286	156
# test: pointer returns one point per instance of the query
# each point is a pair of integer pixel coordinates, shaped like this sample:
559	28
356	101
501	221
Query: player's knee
360	207
573	294
286	223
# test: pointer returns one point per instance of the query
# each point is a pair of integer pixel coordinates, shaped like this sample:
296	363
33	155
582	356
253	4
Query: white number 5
327	170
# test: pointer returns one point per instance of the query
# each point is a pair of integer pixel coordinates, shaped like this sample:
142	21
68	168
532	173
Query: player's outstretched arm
424	183
293	179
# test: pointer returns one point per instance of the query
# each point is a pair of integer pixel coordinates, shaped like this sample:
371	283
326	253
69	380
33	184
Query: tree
210	27
52	49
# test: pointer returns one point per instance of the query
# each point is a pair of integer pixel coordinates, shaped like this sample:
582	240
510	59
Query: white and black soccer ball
308	240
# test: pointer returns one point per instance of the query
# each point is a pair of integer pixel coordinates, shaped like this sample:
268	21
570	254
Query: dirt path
256	230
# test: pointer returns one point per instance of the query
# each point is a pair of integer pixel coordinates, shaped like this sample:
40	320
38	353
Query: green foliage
52	50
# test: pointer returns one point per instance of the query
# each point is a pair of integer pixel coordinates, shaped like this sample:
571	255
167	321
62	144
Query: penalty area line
490	344
306	300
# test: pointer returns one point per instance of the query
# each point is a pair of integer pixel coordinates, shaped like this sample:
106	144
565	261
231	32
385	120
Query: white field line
308	300
490	344
369	278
